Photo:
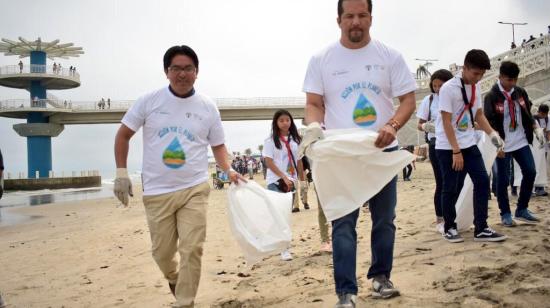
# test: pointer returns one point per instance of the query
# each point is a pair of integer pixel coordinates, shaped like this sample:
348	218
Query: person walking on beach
281	158
350	84
508	110
542	119
427	114
460	106
178	126
1	175
407	171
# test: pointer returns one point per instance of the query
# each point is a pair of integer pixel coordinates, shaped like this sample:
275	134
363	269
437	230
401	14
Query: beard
356	35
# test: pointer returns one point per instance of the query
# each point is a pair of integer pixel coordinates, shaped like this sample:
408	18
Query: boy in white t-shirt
178	126
351	84
460	106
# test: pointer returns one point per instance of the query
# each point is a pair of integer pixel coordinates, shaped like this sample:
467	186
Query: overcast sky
246	48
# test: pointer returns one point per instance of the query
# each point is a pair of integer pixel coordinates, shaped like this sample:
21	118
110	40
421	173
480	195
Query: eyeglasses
189	69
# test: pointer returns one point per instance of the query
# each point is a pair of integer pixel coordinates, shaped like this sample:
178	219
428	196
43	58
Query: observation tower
37	77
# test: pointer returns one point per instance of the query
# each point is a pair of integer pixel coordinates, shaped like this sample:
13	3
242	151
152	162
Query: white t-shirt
514	138
451	101
176	135
425	110
280	159
358	85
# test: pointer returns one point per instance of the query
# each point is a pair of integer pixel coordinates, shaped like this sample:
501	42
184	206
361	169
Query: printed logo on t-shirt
364	113
463	124
174	156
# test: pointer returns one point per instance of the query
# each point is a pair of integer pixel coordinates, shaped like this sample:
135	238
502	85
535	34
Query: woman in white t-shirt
281	153
427	114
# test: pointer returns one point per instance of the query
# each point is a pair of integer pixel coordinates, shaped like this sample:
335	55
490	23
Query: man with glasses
178	126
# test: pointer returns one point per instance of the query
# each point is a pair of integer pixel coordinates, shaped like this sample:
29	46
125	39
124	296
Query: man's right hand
123	186
313	133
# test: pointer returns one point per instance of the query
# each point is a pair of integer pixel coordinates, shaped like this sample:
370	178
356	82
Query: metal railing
39	69
531	58
53	104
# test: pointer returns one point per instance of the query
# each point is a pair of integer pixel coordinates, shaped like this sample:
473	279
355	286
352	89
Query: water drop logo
463	124
364	113
174	156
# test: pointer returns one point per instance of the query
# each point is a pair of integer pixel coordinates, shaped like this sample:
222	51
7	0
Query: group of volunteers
349	84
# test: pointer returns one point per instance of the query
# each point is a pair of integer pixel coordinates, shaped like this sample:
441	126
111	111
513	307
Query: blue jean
438	179
525	160
344	240
475	168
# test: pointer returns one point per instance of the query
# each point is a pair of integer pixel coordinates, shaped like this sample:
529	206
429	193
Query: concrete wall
52	183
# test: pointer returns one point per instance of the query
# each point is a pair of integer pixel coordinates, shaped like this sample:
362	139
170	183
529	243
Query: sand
95	254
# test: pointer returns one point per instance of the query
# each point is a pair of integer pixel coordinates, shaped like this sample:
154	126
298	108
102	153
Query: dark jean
525	160
475	168
438	179
344	239
407	171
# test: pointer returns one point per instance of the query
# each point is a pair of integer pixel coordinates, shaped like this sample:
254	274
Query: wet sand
95	254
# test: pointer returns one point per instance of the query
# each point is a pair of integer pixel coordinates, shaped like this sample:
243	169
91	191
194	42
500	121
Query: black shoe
489	235
172	288
306	206
295	210
514	191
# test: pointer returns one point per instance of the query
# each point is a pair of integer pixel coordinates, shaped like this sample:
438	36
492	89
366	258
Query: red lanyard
289	152
467	106
511	109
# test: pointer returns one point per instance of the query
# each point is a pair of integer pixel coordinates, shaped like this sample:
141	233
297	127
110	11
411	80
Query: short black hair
443	75
180	50
341	7
477	58
509	69
543	108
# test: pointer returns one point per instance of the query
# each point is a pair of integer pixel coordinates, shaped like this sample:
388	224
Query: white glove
313	133
123	186
539	134
497	141
429	127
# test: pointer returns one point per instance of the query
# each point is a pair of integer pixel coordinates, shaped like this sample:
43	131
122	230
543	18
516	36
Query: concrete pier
52	183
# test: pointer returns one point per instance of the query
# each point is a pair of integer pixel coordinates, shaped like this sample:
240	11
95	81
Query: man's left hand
234	177
386	135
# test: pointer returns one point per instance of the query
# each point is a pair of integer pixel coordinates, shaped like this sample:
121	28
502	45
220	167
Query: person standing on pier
178	126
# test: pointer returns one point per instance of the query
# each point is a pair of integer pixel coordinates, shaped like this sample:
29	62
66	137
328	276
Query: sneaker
306	206
346	301
286	255
382	287
541	192
172	287
489	235
295	210
507	220
452	236
326	247
526	216
440	228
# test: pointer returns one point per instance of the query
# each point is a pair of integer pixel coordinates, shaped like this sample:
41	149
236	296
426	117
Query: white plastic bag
259	219
540	165
348	169
465	203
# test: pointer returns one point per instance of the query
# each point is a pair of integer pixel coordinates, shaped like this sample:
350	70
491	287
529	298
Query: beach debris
243	275
221	273
104	266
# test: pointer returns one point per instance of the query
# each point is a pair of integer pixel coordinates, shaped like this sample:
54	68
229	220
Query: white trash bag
259	219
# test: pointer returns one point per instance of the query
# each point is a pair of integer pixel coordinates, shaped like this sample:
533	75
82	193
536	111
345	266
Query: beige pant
323	224
177	222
